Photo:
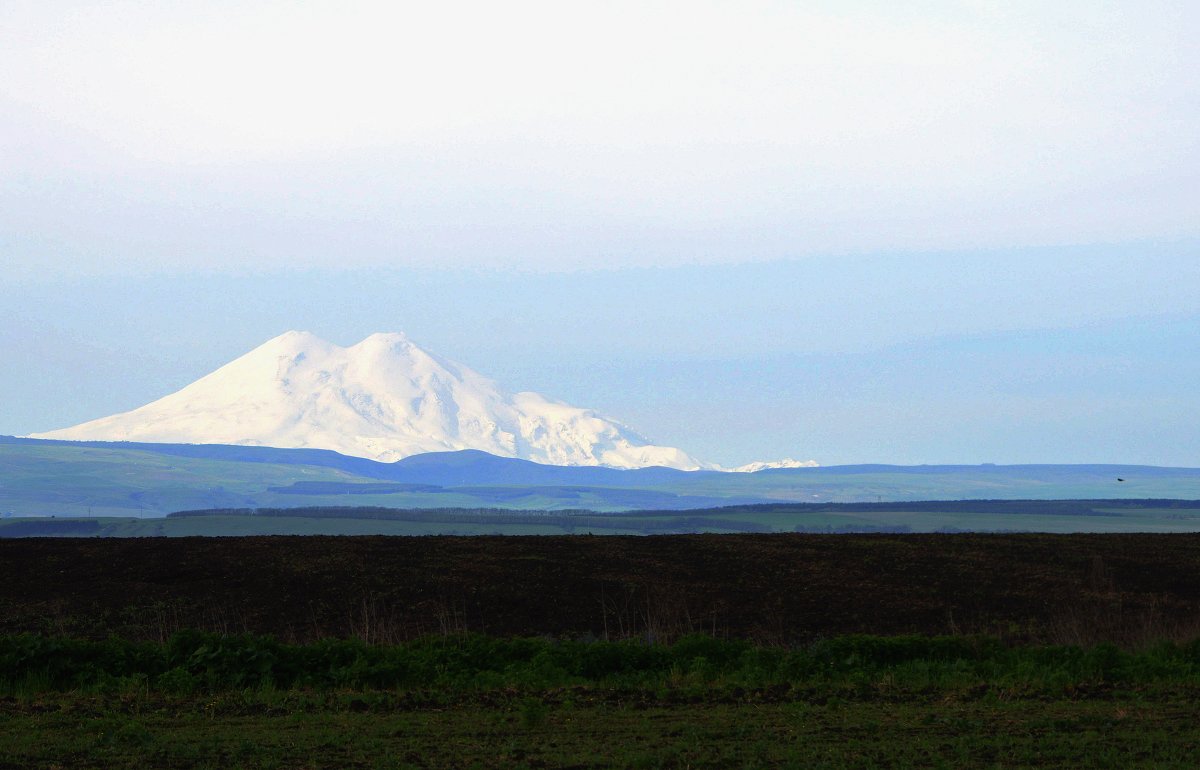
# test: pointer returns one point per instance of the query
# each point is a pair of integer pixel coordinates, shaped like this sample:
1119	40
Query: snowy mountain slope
384	398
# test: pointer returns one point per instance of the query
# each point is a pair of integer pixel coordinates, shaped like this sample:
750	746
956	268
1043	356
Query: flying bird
1120	479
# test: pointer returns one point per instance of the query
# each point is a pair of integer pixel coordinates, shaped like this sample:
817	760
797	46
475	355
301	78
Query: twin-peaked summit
384	398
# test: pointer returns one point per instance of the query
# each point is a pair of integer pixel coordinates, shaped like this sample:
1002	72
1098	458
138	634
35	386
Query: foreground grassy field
474	701
1150	730
726	650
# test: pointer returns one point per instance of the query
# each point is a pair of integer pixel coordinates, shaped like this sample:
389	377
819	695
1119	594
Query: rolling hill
41	477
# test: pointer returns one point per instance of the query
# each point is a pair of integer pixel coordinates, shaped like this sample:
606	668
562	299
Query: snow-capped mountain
384	398
787	462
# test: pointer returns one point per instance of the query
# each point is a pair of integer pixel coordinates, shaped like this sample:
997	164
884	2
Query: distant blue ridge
475	467
468	466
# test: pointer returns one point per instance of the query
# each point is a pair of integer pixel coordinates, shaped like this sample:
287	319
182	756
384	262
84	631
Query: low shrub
192	662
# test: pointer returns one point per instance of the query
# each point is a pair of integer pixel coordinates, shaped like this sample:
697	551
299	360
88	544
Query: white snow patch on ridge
384	398
763	465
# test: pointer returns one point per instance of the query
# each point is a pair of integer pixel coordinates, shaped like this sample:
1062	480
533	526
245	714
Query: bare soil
1130	589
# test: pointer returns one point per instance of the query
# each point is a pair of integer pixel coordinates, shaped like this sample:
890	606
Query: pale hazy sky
565	195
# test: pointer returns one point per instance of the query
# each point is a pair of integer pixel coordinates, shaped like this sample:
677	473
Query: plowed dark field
768	588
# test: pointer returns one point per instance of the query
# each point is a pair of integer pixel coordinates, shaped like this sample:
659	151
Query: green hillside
65	479
1060	516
